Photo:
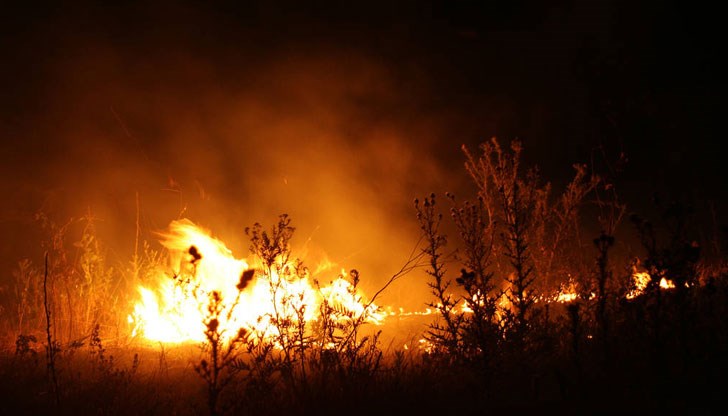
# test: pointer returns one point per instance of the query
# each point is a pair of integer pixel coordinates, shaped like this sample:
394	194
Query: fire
567	293
174	309
666	284
640	280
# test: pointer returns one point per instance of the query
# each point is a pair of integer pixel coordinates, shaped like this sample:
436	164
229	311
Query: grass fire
529	304
284	290
262	208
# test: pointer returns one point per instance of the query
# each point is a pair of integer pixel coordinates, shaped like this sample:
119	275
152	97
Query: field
186	328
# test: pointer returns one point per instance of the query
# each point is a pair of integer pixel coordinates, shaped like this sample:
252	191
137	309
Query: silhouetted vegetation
531	314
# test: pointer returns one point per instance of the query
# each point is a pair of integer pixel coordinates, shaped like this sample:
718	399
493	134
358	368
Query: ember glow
173	308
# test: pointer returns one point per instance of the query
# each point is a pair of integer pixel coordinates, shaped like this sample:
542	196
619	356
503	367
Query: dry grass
663	350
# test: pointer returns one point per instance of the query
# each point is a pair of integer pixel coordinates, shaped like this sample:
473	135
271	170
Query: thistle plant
447	334
221	360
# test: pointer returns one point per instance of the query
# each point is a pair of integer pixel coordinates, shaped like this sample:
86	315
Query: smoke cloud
233	114
227	135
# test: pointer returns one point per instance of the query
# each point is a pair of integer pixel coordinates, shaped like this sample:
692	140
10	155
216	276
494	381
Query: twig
51	349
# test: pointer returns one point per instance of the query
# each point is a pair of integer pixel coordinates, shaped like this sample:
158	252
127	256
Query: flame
640	280
567	293
174	308
666	284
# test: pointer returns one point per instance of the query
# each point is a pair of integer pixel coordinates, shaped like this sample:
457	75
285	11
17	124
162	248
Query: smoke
142	134
233	114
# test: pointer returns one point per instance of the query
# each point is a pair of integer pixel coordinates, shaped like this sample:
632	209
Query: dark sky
340	114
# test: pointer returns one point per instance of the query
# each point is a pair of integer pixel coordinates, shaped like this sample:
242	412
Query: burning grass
174	311
534	320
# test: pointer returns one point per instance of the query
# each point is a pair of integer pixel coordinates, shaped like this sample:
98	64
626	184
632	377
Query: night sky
340	114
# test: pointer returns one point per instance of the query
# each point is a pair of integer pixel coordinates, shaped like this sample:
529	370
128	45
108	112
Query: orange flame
640	280
175	313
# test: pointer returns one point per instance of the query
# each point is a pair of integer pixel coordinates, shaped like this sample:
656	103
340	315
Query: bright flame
175	310
640	280
666	284
567	293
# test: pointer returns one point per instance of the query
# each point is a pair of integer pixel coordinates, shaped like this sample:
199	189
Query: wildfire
175	309
567	293
666	284
640	280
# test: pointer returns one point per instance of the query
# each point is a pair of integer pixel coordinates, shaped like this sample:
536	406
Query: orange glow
567	293
666	284
640	280
173	309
